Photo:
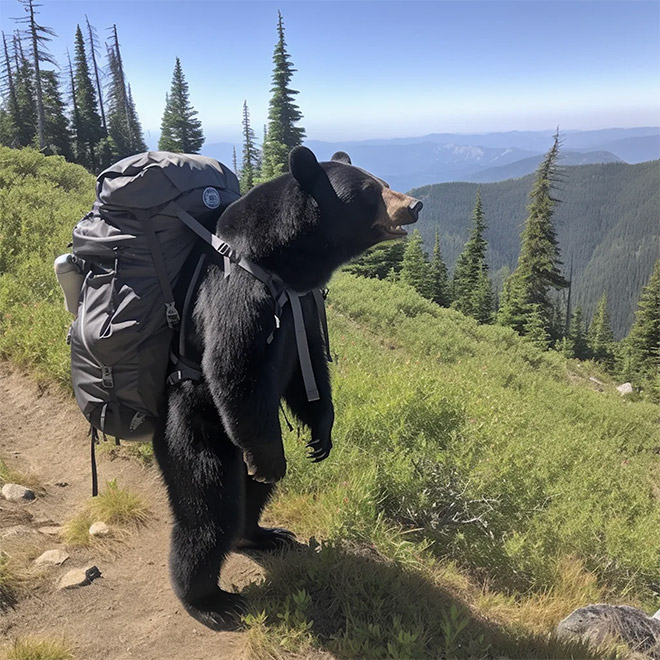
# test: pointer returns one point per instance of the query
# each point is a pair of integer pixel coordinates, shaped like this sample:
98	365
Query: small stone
16	493
62	484
99	529
78	577
50	530
55	557
624	389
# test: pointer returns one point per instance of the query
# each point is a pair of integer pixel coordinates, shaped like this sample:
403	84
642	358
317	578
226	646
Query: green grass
41	199
32	648
471	473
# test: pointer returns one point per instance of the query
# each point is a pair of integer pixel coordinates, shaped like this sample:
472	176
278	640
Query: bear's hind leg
255	537
204	475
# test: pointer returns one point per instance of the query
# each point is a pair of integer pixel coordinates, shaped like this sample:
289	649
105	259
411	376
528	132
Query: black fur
220	451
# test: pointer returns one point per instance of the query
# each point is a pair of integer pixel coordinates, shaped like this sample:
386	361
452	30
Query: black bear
221	449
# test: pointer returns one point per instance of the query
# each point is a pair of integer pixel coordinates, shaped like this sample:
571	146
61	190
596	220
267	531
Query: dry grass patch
32	648
18	576
9	475
115	506
540	612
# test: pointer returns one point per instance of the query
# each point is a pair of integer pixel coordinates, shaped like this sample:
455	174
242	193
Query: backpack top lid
153	178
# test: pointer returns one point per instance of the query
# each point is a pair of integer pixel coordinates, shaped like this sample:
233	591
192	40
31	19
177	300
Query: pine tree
643	341
135	128
11	113
415	268
439	275
93	52
471	289
578	335
528	287
379	261
38	35
57	137
181	131
233	160
600	337
574	343
87	125
283	113
124	130
249	168
535	330
25	121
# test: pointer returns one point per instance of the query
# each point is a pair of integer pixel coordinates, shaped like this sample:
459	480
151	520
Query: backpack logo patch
211	198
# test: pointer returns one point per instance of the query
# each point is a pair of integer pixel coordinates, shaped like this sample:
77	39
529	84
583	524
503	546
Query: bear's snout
415	207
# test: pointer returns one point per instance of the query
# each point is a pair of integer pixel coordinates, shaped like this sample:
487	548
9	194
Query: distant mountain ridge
607	222
528	165
441	157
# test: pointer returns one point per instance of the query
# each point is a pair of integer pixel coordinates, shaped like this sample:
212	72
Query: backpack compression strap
280	297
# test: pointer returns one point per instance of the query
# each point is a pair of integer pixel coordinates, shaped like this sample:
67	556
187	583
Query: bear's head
305	224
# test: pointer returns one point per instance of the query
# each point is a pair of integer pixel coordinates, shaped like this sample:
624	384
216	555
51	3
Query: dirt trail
131	612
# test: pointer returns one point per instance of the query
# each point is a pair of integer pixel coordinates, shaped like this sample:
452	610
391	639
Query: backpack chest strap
279	293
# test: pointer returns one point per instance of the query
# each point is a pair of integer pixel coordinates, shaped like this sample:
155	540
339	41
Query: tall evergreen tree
135	127
249	167
93	52
439	275
26	118
643	341
11	113
38	35
471	289
86	119
124	130
600	337
57	136
234	160
283	113
574	344
415	267
528	288
180	129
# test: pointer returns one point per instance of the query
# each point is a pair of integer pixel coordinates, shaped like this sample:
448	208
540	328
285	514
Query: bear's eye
371	193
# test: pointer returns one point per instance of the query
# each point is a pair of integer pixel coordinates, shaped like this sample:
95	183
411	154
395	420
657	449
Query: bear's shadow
356	603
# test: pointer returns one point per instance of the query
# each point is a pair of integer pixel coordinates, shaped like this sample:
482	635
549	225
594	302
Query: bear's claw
268	538
320	450
223	611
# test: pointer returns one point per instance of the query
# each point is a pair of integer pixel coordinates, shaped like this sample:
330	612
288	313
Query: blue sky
388	68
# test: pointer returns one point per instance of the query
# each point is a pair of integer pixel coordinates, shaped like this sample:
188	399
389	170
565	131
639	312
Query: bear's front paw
319	446
265	464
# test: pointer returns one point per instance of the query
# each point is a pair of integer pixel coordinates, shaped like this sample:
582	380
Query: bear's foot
222	611
268	538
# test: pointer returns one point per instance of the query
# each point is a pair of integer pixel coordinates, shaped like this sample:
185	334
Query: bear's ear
342	157
304	167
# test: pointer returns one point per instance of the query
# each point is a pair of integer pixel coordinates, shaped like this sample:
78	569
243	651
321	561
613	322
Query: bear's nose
415	207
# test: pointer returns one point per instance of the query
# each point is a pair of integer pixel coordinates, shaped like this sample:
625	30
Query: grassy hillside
478	491
607	221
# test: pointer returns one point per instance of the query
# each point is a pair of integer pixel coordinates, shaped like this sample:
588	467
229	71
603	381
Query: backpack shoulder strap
171	313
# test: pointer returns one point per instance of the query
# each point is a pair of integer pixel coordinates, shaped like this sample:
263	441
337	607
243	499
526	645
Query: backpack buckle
224	250
106	378
172	316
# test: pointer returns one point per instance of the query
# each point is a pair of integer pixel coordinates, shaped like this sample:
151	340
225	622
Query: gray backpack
150	212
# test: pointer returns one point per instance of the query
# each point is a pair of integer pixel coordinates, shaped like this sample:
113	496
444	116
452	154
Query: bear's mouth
394	228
